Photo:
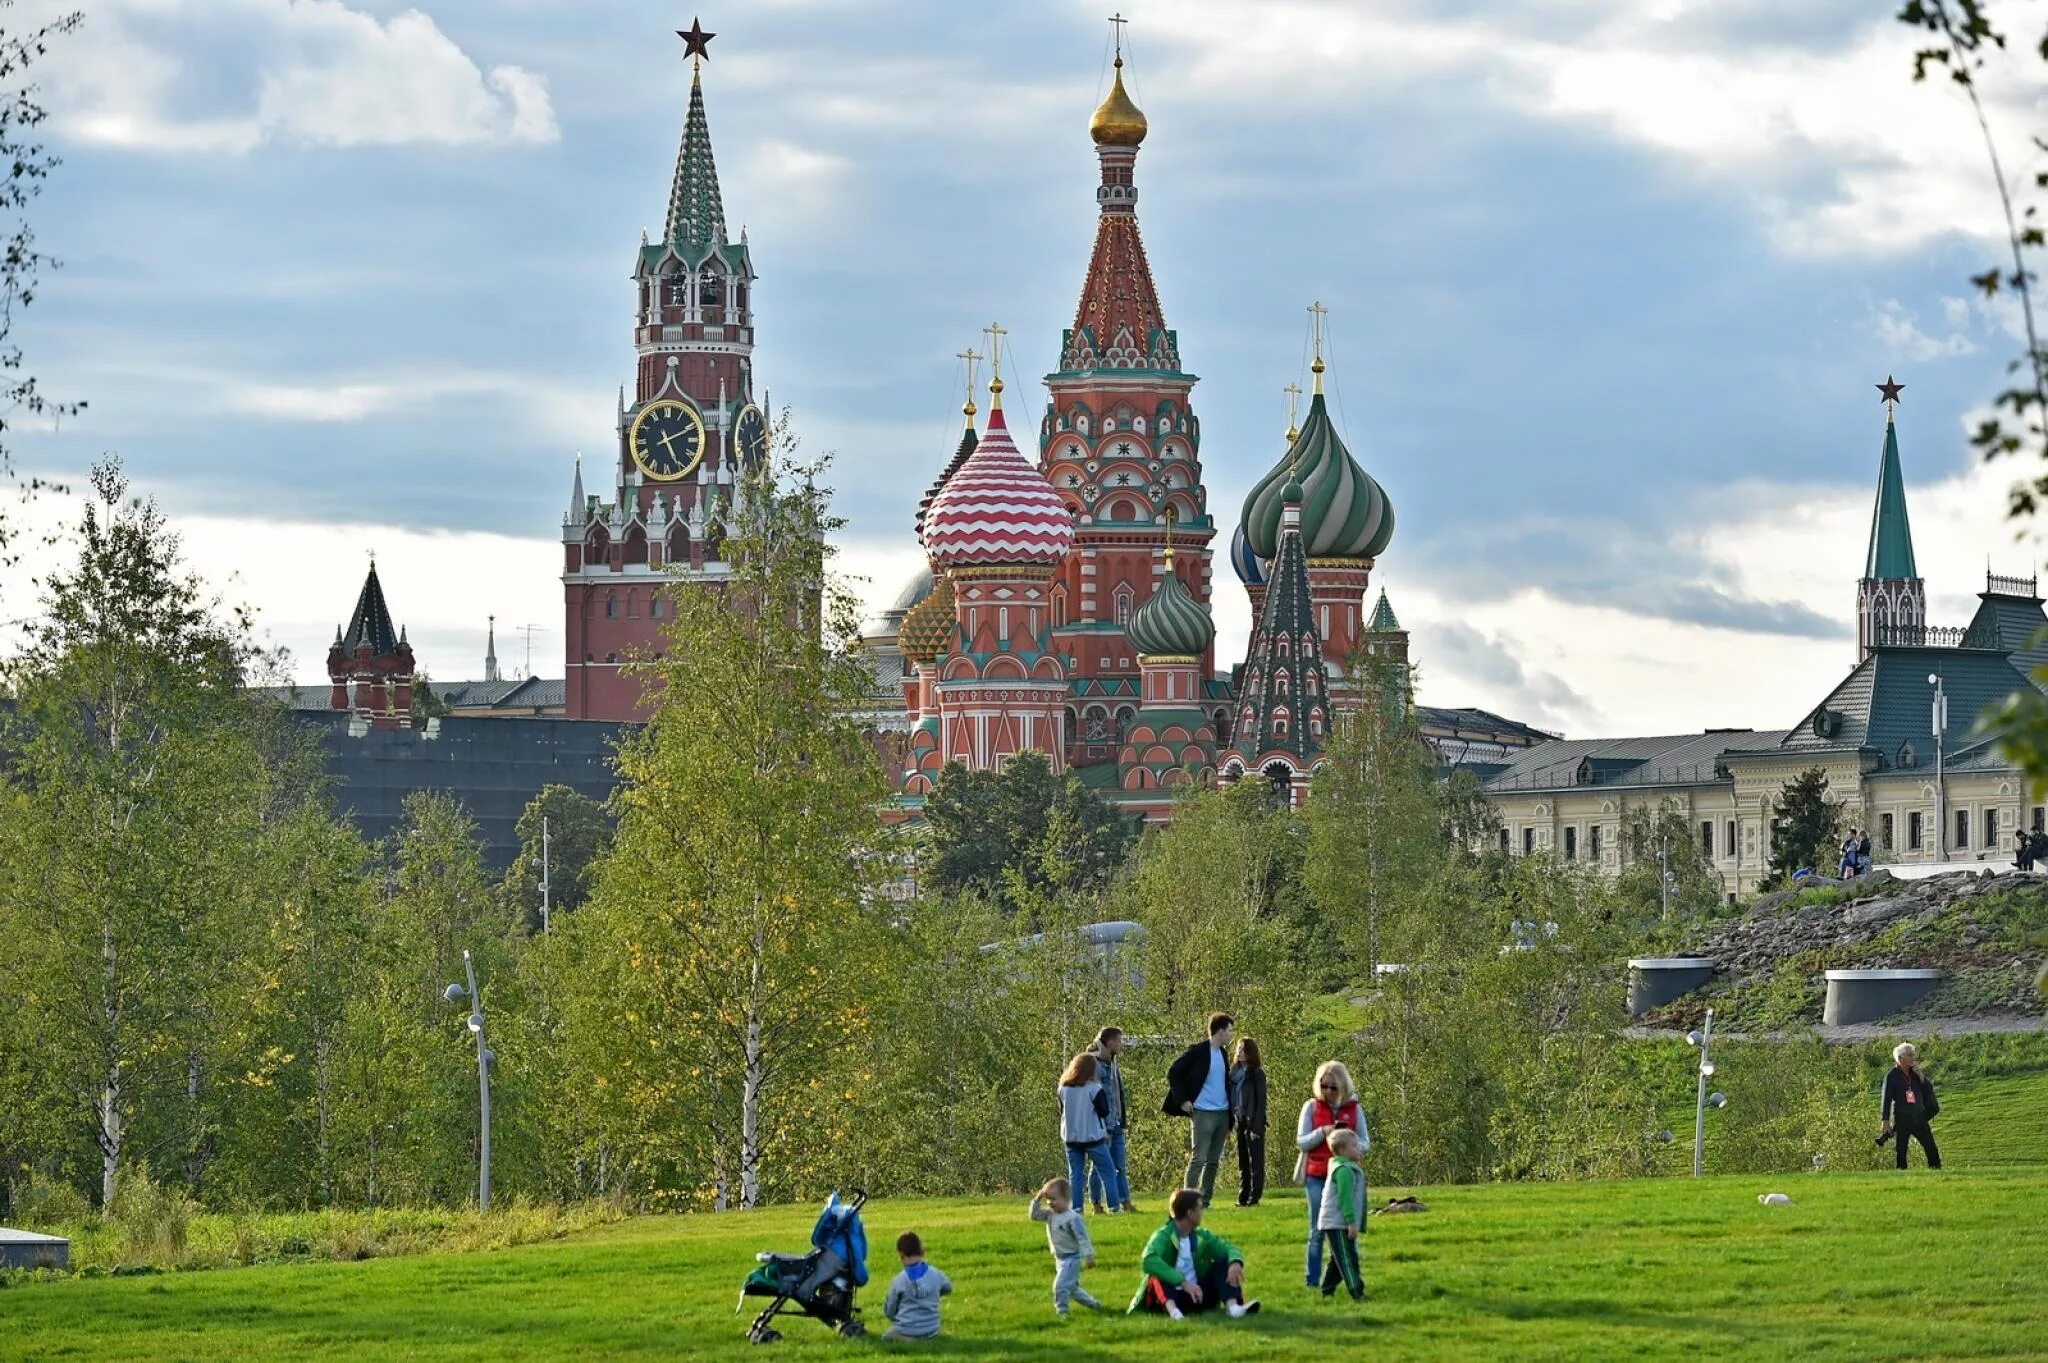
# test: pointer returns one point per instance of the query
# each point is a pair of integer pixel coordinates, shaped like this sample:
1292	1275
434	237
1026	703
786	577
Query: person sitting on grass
1189	1268
1072	1250
1342	1216
912	1305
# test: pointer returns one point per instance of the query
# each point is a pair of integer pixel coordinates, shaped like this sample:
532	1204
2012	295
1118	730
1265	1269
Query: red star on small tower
696	42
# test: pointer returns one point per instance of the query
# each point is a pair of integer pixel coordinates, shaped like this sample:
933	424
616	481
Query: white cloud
1898	331
1833	145
307	72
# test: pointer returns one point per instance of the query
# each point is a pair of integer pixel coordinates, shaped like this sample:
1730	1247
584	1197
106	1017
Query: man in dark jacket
1909	1105
1198	1087
1109	1045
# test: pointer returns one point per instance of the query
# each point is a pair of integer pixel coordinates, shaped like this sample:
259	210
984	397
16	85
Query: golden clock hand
668	442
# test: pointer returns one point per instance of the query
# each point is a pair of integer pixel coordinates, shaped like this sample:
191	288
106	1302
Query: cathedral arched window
1123	606
1059	607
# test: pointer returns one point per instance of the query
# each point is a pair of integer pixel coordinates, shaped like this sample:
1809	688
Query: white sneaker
1239	1309
1174	1312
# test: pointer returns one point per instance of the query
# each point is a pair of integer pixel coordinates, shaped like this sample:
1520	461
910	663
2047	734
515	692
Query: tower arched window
656	607
1123	606
611	606
710	288
678	286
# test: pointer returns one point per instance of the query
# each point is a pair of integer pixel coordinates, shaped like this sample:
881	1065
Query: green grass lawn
1860	1267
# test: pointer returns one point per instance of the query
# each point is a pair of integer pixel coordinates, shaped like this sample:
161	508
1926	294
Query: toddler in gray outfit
1067	1234
912	1305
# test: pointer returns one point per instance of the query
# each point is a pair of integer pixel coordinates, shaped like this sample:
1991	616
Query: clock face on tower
666	440
750	437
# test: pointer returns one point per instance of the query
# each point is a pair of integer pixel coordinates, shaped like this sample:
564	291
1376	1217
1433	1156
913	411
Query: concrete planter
1867	995
26	1249
1654	981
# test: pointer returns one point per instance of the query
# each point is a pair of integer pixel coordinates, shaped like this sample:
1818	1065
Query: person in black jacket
1248	1112
1198	1088
1909	1105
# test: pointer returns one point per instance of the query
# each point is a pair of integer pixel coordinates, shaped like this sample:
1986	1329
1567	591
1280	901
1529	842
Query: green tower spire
1382	616
696	212
1891	534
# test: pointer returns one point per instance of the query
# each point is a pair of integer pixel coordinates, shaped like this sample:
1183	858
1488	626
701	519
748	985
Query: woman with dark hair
1248	1114
1084	1121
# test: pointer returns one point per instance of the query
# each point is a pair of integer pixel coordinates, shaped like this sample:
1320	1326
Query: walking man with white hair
1909	1107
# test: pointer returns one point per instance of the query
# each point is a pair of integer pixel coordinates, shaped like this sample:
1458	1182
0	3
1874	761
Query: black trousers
1921	1132
1216	1290
1251	1167
1340	1264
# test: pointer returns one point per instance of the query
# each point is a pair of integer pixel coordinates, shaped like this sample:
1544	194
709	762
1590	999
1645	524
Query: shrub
41	1202
155	1218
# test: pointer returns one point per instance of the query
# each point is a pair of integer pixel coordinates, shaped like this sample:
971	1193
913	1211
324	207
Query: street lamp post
544	930
1940	723
1703	1039
455	993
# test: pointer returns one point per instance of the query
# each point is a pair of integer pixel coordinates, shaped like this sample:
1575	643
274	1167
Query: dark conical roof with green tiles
1383	621
696	212
1284	706
1891	534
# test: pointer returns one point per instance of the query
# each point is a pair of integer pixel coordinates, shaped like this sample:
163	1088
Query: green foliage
1806	828
727	951
1020	830
1660	843
578	833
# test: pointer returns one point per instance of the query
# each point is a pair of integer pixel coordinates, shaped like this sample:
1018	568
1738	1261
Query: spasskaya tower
656	524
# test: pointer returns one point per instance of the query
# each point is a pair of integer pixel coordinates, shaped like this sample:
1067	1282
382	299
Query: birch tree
723	951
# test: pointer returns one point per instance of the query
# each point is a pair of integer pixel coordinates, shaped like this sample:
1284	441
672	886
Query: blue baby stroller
821	1283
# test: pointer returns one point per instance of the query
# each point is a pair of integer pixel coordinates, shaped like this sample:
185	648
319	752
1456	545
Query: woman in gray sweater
1084	1121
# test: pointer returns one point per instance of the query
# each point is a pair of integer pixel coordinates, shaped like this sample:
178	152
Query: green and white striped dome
1172	624
1344	511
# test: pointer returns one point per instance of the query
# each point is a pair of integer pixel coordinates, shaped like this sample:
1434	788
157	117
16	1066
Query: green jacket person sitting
1189	1269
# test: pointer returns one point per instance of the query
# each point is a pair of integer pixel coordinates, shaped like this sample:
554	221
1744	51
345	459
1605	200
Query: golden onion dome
1118	123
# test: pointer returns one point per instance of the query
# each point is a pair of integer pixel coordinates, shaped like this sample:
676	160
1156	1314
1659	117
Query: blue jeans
1116	1190
1080	1159
1312	1185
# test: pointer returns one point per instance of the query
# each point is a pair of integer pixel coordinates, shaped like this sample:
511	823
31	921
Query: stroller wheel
853	1329
763	1334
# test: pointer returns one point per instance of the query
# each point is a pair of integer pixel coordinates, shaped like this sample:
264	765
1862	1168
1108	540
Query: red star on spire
1888	390
696	40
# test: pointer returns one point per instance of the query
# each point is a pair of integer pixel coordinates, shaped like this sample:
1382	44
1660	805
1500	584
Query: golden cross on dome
1293	391
970	355
1172	519
995	334
1317	312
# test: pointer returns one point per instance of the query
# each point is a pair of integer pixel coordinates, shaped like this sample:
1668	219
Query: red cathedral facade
656	521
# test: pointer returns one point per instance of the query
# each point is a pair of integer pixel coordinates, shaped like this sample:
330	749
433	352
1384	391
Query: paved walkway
1872	1031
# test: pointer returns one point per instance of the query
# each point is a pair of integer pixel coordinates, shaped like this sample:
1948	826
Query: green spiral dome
1170	625
1344	512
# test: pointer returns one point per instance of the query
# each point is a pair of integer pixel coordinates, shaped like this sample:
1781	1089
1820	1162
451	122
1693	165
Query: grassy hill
1655	1268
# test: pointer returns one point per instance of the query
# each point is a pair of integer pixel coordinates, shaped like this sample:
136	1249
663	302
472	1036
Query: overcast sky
1610	284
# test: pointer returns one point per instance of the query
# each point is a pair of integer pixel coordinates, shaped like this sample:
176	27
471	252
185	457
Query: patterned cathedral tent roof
371	621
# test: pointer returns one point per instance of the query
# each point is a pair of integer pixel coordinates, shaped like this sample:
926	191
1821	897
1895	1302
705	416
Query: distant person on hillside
1189	1268
2037	847
1084	1114
1908	1107
1847	866
1072	1250
1333	1108
1198	1088
1248	1114
912	1306
1341	1215
1863	852
1111	1199
2022	851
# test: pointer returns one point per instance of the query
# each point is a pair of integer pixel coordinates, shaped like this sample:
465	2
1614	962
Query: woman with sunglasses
1334	1107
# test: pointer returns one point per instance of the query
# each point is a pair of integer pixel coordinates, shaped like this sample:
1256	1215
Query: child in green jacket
1190	1269
1342	1216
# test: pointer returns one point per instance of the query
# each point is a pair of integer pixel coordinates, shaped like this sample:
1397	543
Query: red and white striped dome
997	508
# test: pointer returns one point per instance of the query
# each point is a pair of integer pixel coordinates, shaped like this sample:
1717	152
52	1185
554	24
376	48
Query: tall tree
724	946
1806	829
142	782
1375	820
21	261
1663	867
577	832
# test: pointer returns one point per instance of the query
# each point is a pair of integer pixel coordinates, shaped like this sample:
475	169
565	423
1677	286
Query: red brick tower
690	428
1120	443
370	664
